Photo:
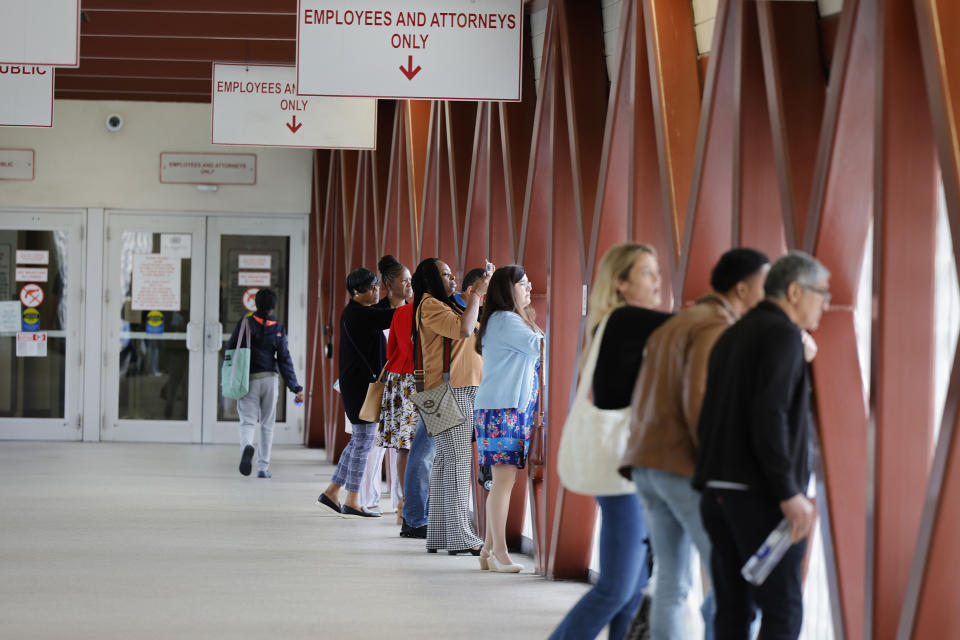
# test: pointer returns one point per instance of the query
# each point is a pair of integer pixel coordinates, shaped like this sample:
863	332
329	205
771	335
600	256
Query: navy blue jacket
268	349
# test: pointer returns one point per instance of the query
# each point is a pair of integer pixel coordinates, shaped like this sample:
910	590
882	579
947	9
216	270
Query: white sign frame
14	161
140	299
360	61
203	161
31	274
63	33
260	118
24	95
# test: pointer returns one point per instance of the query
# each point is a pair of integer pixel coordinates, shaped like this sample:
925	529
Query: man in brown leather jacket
662	450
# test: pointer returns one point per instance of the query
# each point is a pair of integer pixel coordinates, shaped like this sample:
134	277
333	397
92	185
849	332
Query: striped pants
449	525
353	460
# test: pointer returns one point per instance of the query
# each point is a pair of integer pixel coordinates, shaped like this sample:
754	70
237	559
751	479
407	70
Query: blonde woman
627	289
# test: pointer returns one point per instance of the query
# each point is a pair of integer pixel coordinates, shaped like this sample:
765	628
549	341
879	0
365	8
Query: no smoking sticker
31	295
250	299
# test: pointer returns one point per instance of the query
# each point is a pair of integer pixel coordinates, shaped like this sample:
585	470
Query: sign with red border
208	168
421	49
31	295
250	299
27	96
40	33
258	105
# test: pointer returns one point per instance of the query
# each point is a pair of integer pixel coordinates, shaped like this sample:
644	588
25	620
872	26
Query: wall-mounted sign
250	299
433	49
254	261
31	274
208	168
258	105
154	321
27	95
32	257
156	283
31	295
9	316
30	320
44	33
175	245
32	344
18	164
253	279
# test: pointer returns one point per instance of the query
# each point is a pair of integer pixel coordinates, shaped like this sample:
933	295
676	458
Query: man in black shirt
753	466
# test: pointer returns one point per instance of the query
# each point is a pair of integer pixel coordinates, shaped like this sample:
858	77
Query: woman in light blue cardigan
506	401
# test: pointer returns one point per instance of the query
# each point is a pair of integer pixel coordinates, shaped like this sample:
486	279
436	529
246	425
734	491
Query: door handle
193	336
214	337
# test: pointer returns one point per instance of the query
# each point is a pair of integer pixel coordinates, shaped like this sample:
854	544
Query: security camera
114	122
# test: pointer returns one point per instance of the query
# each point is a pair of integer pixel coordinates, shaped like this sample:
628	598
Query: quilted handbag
593	440
437	406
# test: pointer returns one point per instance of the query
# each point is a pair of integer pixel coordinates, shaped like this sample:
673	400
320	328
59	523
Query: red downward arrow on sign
293	126
410	71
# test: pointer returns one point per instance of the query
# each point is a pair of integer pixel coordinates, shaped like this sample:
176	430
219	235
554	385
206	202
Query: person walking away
507	400
362	354
269	356
627	289
661	452
752	465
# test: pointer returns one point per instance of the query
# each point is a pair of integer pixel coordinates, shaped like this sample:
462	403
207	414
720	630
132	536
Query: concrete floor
139	541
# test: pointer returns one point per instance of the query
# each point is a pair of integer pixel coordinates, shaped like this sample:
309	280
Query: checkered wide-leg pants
449	525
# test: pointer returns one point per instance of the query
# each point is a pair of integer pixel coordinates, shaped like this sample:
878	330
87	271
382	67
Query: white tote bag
593	440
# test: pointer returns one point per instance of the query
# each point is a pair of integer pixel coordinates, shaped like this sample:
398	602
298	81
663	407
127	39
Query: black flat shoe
457	552
328	504
246	460
431	550
406	531
350	512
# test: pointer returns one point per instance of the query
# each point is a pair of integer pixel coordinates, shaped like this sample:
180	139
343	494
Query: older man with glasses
753	466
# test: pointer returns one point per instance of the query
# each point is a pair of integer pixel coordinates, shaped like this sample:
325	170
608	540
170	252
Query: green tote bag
235	373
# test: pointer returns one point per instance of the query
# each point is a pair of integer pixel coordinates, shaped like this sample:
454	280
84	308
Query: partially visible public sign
427	49
43	32
27	96
258	105
156	283
17	164
32	344
208	168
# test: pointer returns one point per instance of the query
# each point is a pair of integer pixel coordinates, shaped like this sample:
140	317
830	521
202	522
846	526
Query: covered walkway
167	541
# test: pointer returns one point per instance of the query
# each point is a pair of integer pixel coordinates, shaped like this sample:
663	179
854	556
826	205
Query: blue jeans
672	507
615	598
416	479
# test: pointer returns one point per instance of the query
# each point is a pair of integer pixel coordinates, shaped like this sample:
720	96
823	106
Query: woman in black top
626	288
363	350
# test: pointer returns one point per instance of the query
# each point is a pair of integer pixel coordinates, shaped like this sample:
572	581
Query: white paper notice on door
175	245
31	274
254	279
10	316
253	261
32	344
156	283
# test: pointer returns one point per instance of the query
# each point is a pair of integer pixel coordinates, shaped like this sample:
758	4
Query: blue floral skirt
503	435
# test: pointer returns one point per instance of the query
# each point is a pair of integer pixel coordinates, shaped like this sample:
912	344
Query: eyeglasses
823	292
526	285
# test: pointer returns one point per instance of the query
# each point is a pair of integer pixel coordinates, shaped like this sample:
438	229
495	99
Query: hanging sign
258	105
253	261
154	321
27	95
254	278
30	321
31	295
17	164
46	32
9	316
175	245
34	274
156	283
208	168
429	49
32	344
250	299
33	257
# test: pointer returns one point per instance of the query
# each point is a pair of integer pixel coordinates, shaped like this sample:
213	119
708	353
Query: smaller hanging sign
254	261
253	278
32	257
33	274
32	345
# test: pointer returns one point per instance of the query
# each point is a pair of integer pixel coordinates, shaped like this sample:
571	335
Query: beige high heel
496	567
484	565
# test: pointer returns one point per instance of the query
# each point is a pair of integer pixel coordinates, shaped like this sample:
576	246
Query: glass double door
176	287
41	354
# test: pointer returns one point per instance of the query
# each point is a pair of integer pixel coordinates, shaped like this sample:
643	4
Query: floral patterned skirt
503	435
399	416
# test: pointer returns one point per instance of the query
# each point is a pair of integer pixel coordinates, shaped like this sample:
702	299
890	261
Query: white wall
80	164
